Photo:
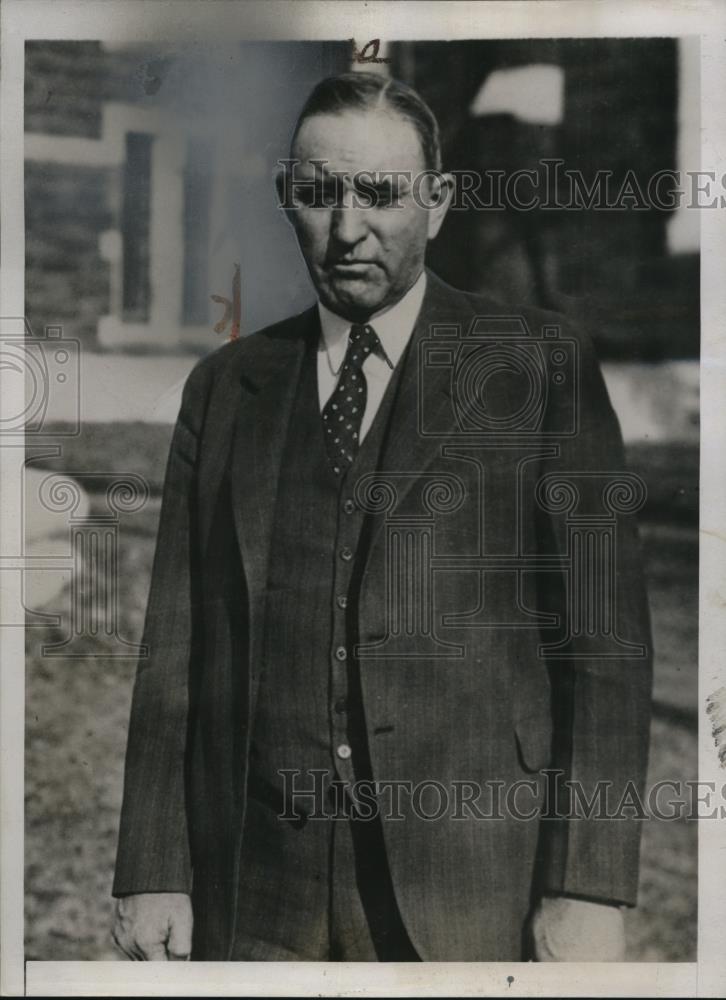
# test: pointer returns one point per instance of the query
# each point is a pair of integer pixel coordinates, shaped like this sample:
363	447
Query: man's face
362	258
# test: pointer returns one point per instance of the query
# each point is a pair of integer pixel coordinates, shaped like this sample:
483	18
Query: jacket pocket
534	741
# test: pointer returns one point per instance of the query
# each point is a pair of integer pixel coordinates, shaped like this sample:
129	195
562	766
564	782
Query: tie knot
363	341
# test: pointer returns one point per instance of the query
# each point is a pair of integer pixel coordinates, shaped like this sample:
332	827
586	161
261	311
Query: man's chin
353	296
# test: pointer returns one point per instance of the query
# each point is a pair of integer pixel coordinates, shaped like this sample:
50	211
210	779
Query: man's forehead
376	140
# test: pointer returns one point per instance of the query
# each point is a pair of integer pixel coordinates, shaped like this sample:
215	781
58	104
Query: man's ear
437	200
284	195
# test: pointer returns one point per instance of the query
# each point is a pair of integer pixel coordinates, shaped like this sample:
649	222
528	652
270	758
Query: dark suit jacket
497	711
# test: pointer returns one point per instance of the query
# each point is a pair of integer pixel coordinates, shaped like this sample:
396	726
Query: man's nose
348	224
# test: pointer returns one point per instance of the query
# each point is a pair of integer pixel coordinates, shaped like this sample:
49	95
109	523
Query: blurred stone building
149	172
607	105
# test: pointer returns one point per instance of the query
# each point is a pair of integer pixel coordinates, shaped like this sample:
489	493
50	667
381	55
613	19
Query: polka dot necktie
343	413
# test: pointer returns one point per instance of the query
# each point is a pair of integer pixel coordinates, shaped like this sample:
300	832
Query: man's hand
575	930
154	926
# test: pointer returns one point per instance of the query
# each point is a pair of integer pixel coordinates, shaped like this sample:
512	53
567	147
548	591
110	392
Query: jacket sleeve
600	703
153	848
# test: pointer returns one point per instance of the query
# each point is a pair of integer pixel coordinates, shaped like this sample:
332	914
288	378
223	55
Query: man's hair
367	92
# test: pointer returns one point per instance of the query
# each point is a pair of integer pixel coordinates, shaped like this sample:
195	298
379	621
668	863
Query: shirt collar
394	326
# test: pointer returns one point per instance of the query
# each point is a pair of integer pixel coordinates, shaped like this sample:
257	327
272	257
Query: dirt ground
77	712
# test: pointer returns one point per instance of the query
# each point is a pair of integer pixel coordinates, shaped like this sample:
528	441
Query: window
135	213
197	202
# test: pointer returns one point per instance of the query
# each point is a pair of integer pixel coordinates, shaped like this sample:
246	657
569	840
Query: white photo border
148	20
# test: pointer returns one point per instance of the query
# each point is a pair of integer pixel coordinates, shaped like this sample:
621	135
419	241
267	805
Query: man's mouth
353	267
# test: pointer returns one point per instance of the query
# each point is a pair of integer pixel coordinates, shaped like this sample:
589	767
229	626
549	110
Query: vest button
342	601
349	506
341	706
341	653
346	554
344	751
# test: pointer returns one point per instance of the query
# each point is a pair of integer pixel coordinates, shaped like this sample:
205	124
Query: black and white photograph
358	450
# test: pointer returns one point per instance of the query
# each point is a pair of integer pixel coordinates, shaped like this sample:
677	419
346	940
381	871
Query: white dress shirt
394	327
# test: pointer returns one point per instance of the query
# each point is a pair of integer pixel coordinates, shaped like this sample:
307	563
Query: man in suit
396	557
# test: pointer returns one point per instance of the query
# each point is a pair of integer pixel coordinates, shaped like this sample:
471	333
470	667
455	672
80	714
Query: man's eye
308	195
386	198
317	196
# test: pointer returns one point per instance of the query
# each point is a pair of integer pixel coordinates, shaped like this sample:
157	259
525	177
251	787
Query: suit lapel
267	385
244	437
267	394
423	400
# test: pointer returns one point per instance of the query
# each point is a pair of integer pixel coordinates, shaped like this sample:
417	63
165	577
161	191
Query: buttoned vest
309	716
